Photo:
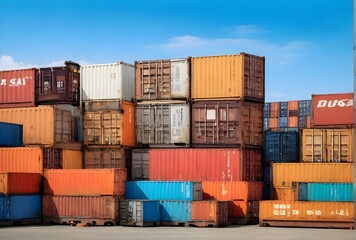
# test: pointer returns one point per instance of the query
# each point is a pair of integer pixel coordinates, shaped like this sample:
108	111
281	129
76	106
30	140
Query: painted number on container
341	212
314	212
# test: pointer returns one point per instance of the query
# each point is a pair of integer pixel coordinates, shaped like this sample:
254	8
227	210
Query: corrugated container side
56	158
176	211
20	183
10	135
273	123
139	165
275	110
106	157
23	207
286	173
214	211
139	213
267	110
286	193
282	122
85	182
326	192
293	122
22	159
281	146
247	210
159	190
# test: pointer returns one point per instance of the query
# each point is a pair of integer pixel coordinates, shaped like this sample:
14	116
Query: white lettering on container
335	103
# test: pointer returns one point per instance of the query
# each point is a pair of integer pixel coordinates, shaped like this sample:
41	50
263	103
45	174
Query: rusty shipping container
43	125
18	88
163	123
94	210
162	79
286	193
333	110
274	110
20	183
304	214
210	213
85	182
243	211
201	164
227	123
240	76
21	159
232	190
293	108
273	123
110	127
327	145
139	164
58	85
286	173
58	158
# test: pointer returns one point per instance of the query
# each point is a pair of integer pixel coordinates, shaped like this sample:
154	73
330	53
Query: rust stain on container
57	158
85	182
227	123
214	211
286	173
239	76
21	159
20	183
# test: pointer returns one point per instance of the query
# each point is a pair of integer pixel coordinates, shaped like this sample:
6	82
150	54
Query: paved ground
186	233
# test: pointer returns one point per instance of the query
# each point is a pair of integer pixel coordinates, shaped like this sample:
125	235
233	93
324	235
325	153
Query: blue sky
307	43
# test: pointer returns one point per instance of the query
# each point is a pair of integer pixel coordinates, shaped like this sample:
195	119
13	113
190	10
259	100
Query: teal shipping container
20	207
326	192
176	211
139	213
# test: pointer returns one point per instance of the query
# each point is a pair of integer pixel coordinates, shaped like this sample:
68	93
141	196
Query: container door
313	142
339	145
180	124
140	160
111	128
64	126
163	124
145	123
180	79
254	77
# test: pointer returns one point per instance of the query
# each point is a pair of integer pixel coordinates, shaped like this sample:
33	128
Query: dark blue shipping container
267	110
10	135
303	122
267	175
282	122
266	192
266	123
283	109
20	207
305	108
281	147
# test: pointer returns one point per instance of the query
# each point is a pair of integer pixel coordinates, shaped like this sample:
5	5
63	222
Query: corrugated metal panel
10	135
20	183
139	213
22	159
306	211
106	157
327	145
140	161
24	207
267	174
326	192
275	109
293	122
229	76
286	173
201	164
305	108
57	158
108	81
281	146
286	193
163	123
247	210
267	110
89	182
162	79
214	211
227	191
176	211
156	190
282	122
17	88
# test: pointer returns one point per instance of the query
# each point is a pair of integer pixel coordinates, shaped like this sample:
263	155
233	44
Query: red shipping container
85	182
20	183
202	164
247	210
206	212
17	88
333	110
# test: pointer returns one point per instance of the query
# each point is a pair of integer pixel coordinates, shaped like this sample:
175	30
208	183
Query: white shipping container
108	81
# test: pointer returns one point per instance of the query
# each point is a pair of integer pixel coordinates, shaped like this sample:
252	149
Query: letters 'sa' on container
108	82
214	212
286	173
162	79
204	164
26	208
163	123
110	127
100	210
164	190
326	192
240	76
139	213
58	158
20	183
10	135
227	123
176	212
243	210
106	157
139	164
18	88
333	110
21	159
85	182
281	146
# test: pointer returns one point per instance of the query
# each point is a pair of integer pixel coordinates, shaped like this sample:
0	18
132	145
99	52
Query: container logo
335	103
14	82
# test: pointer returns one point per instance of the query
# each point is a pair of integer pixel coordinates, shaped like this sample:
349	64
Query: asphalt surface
187	233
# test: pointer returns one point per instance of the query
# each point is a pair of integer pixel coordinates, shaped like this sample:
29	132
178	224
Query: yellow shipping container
286	193
327	145
239	76
57	158
72	159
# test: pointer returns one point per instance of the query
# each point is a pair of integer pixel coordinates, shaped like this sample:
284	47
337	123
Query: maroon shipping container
333	110
227	123
228	164
17	88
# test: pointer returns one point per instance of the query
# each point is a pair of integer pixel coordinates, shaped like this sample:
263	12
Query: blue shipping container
267	175
10	135
281	146
20	207
266	192
267	110
266	123
139	212
326	192
163	190
282	122
176	211
283	109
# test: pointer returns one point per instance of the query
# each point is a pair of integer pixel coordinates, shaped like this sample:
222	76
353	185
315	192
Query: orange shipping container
215	212
293	105
110	127
228	77
85	182
293	122
20	183
286	173
227	191
247	210
273	123
286	193
21	159
274	110
55	158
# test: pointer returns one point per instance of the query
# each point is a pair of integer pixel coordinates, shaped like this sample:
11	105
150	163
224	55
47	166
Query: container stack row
317	189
